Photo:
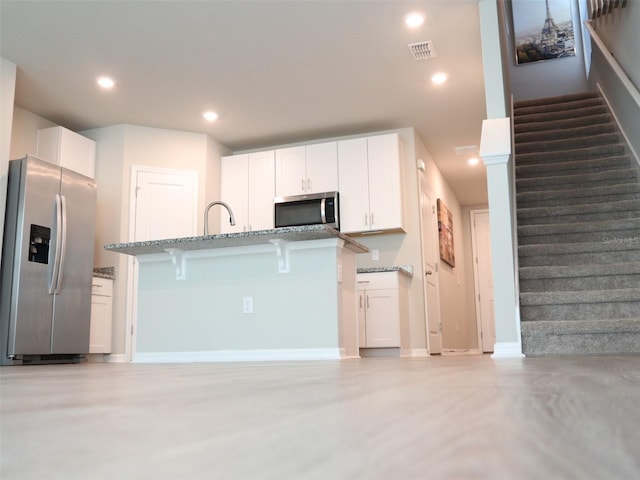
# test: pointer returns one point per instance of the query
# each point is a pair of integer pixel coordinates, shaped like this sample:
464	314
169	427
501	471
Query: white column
495	150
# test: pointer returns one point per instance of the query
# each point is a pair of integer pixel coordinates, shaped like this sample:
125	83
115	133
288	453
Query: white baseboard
414	352
238	355
507	350
116	358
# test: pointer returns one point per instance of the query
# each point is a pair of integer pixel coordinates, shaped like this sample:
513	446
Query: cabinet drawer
102	287
378	280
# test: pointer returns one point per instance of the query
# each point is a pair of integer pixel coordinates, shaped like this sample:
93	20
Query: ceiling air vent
422	50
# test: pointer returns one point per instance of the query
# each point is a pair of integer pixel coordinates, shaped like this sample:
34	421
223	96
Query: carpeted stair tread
621	189
568	143
561	115
586	209
630	224
553	100
557	125
579	154
570	271
592	165
566	133
583	297
581	337
558	107
589	179
579	247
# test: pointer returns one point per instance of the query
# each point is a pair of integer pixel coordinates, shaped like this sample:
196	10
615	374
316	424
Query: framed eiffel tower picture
542	30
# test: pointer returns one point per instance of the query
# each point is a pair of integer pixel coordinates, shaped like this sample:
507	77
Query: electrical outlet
375	254
247	304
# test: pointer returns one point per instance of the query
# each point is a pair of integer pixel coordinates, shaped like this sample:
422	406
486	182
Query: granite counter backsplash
404	269
105	272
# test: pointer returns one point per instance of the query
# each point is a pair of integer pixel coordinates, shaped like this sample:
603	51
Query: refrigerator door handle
57	225
63	244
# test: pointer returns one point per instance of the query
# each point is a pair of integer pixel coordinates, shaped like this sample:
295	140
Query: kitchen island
280	294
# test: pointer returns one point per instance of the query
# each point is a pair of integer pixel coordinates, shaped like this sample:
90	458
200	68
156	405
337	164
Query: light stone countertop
404	269
242	239
105	272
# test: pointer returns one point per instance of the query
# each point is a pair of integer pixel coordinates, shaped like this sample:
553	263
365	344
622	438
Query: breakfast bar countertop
241	239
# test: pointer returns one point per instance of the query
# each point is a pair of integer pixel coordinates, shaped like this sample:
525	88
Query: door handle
428	272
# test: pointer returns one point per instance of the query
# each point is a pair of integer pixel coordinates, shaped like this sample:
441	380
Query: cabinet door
385	182
68	149
322	167
261	190
234	178
362	318
101	316
291	176
383	325
353	185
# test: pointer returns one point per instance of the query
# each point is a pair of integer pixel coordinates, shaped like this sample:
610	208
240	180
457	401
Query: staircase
578	210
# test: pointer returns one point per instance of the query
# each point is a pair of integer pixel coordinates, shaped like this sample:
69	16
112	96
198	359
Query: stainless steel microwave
312	209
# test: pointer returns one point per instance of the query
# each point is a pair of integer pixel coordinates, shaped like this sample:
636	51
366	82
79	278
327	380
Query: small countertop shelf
226	240
404	269
105	272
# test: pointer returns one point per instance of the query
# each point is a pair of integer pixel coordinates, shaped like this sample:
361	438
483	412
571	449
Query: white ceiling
277	72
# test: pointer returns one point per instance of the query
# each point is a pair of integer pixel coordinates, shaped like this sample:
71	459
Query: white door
322	167
165	204
483	278
430	257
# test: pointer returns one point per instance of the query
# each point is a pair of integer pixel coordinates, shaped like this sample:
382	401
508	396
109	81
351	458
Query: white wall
551	77
24	139
120	147
620	33
7	94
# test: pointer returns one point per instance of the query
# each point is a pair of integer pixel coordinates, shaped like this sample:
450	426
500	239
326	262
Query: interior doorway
430	258
163	204
483	279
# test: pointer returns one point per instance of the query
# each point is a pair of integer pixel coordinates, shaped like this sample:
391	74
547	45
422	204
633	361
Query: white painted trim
415	353
239	355
116	358
507	350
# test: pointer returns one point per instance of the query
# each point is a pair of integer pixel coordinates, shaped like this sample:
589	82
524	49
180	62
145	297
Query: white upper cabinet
370	186
248	187
307	169
68	149
385	182
322	167
353	185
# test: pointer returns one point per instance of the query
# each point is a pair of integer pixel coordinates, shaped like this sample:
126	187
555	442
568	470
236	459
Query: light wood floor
452	417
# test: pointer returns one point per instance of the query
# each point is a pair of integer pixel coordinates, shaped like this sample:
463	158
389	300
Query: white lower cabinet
101	315
382	308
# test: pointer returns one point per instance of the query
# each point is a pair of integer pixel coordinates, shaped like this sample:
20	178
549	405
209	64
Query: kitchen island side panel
204	312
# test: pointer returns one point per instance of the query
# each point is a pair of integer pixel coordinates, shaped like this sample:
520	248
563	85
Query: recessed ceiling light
210	116
106	82
439	78
414	19
473	161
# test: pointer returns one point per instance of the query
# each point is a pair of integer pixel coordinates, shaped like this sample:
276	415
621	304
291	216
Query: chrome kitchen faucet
232	219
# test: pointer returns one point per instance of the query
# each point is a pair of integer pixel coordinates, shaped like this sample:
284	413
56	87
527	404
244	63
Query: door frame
131	301
426	189
476	274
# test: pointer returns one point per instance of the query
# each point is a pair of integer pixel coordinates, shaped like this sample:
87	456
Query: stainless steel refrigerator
47	264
